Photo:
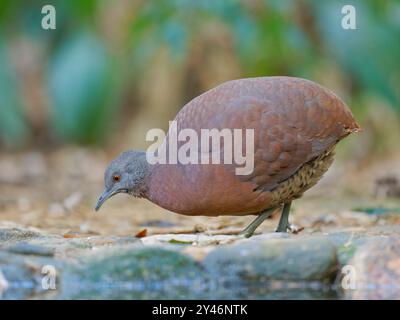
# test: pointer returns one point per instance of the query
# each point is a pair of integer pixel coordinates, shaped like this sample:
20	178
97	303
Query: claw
292	228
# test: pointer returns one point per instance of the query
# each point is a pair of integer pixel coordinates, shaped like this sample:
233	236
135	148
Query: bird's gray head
125	174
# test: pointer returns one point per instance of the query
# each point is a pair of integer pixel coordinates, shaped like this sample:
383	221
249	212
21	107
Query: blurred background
73	98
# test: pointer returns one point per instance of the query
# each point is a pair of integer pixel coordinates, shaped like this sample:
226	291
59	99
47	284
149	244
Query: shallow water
197	289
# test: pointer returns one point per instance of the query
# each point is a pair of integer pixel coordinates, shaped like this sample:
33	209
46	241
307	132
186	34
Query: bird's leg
249	230
284	225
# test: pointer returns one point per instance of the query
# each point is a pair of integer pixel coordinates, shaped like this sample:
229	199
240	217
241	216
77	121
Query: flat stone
17	234
349	240
292	259
190	239
23	275
158	223
133	273
31	249
3	283
376	271
202	266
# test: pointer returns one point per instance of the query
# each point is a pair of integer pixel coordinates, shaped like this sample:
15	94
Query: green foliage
13	127
370	54
377	210
174	241
271	41
81	85
270	37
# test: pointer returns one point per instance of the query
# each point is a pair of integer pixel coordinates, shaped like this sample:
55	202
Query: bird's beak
105	195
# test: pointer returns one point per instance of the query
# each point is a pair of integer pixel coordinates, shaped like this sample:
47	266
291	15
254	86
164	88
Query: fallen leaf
70	235
141	234
298	230
377	210
174	241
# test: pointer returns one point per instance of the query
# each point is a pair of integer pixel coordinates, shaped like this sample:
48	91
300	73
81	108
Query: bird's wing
294	120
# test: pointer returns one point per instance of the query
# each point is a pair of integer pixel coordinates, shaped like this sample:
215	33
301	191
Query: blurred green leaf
13	128
270	37
370	54
377	210
81	85
174	241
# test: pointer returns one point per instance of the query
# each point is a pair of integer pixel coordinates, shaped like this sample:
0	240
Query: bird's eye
116	178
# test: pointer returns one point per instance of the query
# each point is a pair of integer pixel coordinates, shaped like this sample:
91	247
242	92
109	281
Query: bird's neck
164	186
142	173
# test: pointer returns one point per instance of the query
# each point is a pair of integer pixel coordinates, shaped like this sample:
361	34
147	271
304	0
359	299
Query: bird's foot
245	234
290	228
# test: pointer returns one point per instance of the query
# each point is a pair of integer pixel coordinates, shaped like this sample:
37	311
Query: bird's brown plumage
296	123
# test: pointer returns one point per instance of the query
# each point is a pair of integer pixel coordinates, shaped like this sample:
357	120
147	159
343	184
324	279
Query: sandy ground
56	191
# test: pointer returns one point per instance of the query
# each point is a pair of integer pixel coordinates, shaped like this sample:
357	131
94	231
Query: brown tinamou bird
297	124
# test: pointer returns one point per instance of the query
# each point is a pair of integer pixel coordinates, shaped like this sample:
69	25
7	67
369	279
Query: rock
189	239
3	283
23	275
59	209
292	259
23	204
158	223
388	186
358	218
17	234
322	220
376	271
72	201
348	241
97	241
56	210
133	273
201	266
31	249
205	244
